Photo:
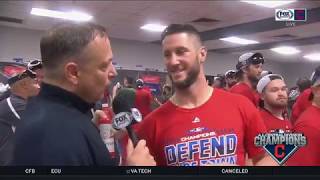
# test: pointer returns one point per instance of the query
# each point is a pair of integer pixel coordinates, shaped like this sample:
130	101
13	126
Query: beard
192	76
254	81
279	103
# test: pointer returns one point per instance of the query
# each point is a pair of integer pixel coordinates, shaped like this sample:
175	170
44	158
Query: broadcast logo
291	14
280	145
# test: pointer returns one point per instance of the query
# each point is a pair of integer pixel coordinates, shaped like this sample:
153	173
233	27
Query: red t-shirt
143	101
245	90
301	104
221	130
308	124
273	123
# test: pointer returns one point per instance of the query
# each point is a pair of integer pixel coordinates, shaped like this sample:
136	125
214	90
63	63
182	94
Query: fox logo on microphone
280	145
121	120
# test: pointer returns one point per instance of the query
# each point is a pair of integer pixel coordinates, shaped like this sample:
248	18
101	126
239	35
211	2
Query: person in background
144	98
231	79
166	93
22	86
35	66
309	125
128	82
293	94
303	84
249	69
218	82
210	80
304	99
274	95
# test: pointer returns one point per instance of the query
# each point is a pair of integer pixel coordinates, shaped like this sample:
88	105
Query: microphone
125	113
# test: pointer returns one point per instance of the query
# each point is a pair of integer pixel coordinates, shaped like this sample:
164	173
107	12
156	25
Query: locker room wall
132	55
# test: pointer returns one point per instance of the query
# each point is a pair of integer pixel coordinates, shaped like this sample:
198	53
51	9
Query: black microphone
125	113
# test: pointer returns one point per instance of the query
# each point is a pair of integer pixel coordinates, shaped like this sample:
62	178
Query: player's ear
71	72
203	54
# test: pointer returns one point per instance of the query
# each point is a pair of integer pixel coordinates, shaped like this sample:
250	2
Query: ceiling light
313	56
287	50
153	27
269	4
238	40
73	15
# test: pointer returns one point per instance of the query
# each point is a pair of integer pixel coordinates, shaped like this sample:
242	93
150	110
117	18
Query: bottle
106	132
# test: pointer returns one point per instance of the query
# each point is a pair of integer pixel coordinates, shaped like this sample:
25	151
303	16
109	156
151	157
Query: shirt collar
65	97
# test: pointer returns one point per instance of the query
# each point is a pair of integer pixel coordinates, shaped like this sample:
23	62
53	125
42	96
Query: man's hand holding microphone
125	115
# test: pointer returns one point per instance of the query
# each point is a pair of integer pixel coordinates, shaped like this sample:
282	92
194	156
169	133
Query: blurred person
193	122
35	66
274	94
166	93
249	69
22	86
128	82
210	80
303	84
303	101
115	90
231	79
144	98
292	97
218	82
309	124
56	128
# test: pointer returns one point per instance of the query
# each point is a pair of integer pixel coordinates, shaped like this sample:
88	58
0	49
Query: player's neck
247	81
277	112
194	96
